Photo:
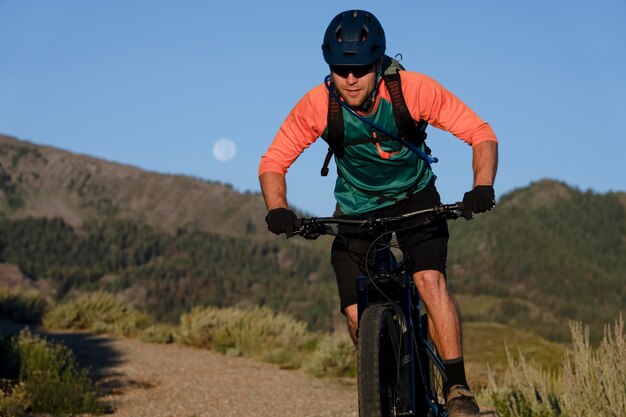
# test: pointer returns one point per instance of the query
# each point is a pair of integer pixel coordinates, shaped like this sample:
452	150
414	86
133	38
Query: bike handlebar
313	227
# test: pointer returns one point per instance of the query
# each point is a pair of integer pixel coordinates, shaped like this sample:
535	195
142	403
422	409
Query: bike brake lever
313	231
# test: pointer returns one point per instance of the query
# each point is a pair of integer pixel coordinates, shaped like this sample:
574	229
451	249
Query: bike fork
407	360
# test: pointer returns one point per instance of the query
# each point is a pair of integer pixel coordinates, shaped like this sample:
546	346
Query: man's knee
429	281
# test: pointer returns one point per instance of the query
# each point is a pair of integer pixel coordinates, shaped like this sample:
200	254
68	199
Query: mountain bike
399	372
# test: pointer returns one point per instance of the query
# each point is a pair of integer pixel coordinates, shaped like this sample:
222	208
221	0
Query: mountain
41	181
167	242
547	254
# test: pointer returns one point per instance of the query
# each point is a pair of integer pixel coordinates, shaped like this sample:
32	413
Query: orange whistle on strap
383	154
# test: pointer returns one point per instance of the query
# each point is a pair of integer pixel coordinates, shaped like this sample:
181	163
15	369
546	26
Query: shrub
99	311
256	332
158	333
528	390
592	382
49	379
21	306
13	399
335	355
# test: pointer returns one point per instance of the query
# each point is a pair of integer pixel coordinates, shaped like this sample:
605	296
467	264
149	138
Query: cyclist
379	175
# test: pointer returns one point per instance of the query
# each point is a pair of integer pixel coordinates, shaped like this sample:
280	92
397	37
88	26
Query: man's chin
355	104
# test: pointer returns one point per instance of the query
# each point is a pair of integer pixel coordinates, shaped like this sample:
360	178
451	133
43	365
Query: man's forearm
274	188
485	163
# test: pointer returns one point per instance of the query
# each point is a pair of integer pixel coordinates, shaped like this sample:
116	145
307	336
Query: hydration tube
427	158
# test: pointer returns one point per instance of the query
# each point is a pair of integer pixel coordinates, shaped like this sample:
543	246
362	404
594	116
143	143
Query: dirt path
168	380
153	380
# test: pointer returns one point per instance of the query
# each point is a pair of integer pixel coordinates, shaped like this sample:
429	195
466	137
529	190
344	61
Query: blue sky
156	84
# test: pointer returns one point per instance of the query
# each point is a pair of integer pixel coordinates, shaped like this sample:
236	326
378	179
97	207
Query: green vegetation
591	382
100	312
7	185
171	274
42	376
257	332
554	382
546	255
485	350
334	355
21	306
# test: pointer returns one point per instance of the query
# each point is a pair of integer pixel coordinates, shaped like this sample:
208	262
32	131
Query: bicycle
399	372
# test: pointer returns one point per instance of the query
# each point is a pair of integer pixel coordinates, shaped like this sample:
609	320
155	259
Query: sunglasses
358	71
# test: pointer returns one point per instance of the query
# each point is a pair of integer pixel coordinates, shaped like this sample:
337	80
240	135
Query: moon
224	150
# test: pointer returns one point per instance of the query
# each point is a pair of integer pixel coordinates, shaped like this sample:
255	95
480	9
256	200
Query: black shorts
426	247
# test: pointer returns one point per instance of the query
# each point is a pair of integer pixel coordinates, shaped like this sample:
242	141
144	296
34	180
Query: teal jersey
375	166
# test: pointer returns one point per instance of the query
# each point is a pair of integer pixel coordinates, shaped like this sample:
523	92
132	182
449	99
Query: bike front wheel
378	356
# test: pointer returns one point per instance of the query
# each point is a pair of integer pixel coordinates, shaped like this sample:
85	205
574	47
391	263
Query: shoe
462	402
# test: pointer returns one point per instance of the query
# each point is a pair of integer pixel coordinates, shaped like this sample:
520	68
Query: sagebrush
591	382
43	377
257	332
99	311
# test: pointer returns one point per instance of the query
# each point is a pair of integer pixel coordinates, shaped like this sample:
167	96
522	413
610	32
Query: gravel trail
155	380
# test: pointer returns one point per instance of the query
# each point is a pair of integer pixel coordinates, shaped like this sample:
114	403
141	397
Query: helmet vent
364	33
362	38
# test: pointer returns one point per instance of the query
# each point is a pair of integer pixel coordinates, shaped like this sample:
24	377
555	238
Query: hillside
547	254
41	181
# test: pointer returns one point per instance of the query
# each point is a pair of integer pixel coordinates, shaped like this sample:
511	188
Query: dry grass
485	350
591	382
335	355
256	332
99	311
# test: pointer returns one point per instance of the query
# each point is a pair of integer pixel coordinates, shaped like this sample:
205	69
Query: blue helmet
354	37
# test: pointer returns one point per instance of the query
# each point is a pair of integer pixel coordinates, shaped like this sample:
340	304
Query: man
380	175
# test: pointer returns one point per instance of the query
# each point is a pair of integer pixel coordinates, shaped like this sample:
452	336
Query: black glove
281	220
479	200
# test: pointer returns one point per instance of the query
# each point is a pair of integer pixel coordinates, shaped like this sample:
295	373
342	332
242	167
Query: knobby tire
378	353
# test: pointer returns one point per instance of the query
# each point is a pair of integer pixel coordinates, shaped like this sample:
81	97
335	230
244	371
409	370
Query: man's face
354	83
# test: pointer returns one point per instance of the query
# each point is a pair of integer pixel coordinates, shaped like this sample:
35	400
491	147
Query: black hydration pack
410	130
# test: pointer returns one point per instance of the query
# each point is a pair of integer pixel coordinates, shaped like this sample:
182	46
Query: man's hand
281	220
478	200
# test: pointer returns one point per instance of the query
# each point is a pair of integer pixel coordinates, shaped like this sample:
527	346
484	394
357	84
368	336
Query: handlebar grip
461	207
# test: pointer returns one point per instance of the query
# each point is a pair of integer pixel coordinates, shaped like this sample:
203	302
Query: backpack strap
408	128
335	134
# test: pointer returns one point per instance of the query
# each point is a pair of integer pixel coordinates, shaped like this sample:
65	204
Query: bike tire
378	352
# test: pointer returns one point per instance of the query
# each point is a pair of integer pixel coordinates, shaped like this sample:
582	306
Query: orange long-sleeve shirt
425	98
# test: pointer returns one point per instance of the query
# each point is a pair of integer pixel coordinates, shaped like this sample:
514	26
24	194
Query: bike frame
387	285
